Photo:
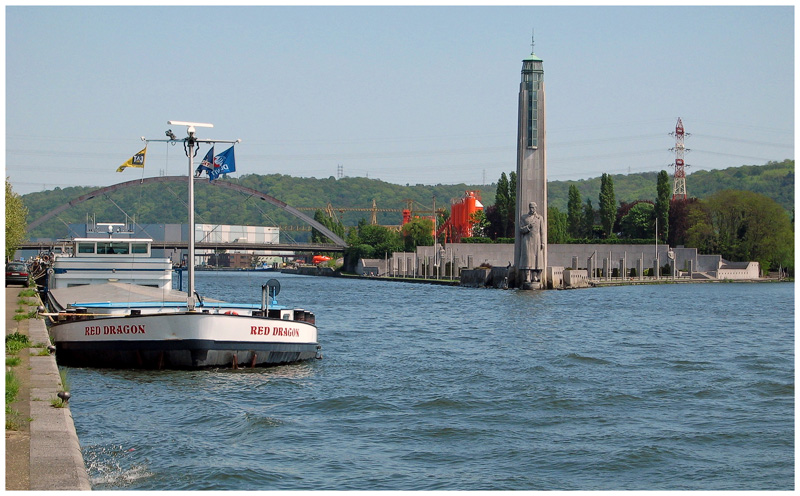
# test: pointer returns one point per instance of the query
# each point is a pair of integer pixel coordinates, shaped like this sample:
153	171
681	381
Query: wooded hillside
166	203
775	180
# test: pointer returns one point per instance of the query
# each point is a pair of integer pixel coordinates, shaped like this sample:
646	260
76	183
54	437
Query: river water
426	387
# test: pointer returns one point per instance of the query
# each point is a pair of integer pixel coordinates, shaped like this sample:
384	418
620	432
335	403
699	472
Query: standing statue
532	246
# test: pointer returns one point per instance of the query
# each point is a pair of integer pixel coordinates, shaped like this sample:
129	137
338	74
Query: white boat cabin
104	260
98	247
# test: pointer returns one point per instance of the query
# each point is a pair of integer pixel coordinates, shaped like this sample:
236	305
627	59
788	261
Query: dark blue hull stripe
181	354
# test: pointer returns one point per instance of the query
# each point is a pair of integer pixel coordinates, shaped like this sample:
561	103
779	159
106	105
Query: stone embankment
43	453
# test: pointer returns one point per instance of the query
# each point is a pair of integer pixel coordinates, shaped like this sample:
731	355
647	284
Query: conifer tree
662	204
587	222
574	213
608	205
512	204
556	226
501	200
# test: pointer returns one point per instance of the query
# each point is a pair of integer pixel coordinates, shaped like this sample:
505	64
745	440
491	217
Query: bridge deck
183	245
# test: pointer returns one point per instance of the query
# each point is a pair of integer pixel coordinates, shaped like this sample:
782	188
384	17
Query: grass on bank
64	379
12	389
23	313
58	402
14	343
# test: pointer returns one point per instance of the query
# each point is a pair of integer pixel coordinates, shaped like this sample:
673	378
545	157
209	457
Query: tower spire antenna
533	43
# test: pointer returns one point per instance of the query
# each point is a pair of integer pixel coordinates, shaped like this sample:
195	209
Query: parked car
17	273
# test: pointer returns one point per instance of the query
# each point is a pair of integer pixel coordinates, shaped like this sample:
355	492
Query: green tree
502	199
383	240
587	221
16	221
352	234
512	205
679	221
493	219
638	222
700	232
574	212
743	226
480	224
353	253
556	226
663	197
502	218
417	232
608	205
332	224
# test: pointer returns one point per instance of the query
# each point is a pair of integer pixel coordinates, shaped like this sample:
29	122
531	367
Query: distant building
204	233
231	260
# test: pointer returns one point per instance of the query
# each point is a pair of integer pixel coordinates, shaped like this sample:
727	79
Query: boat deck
120	293
124	295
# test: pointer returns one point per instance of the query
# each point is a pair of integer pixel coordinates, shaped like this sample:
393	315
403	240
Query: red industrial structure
462	210
679	183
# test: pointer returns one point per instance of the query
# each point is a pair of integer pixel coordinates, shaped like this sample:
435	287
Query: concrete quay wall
456	257
56	461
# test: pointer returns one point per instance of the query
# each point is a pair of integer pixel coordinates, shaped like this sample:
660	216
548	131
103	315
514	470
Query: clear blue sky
418	95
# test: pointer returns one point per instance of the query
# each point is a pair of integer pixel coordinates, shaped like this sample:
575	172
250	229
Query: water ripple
472	390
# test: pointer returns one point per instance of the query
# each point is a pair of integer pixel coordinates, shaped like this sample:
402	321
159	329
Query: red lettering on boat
259	330
122	329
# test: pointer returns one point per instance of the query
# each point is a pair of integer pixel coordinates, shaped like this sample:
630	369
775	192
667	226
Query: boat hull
185	340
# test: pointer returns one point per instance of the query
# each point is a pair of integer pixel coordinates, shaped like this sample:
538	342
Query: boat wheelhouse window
113	248
138	247
85	247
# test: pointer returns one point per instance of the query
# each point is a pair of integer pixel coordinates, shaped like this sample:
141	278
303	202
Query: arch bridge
338	242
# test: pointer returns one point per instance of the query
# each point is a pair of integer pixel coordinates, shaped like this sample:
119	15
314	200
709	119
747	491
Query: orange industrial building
462	220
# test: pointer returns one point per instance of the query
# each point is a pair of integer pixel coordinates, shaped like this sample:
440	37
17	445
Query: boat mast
190	145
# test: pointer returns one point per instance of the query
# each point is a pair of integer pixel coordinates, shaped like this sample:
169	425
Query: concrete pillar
606	269
639	269
656	269
574	263
622	269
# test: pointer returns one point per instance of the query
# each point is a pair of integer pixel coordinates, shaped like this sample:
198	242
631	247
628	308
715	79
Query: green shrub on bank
16	342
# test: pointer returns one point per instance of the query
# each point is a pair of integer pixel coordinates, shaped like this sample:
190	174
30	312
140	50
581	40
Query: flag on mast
224	163
135	161
207	164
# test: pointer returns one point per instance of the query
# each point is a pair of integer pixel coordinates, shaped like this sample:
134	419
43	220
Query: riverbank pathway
42	451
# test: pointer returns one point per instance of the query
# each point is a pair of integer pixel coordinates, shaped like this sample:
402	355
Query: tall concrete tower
531	164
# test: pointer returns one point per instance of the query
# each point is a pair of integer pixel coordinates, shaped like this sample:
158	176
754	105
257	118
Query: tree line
16	221
626	209
738	225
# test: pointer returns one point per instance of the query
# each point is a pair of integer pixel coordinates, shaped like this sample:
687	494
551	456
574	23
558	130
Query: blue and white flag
224	163
207	164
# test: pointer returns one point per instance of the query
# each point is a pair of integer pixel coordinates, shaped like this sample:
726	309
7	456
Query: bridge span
183	245
221	184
